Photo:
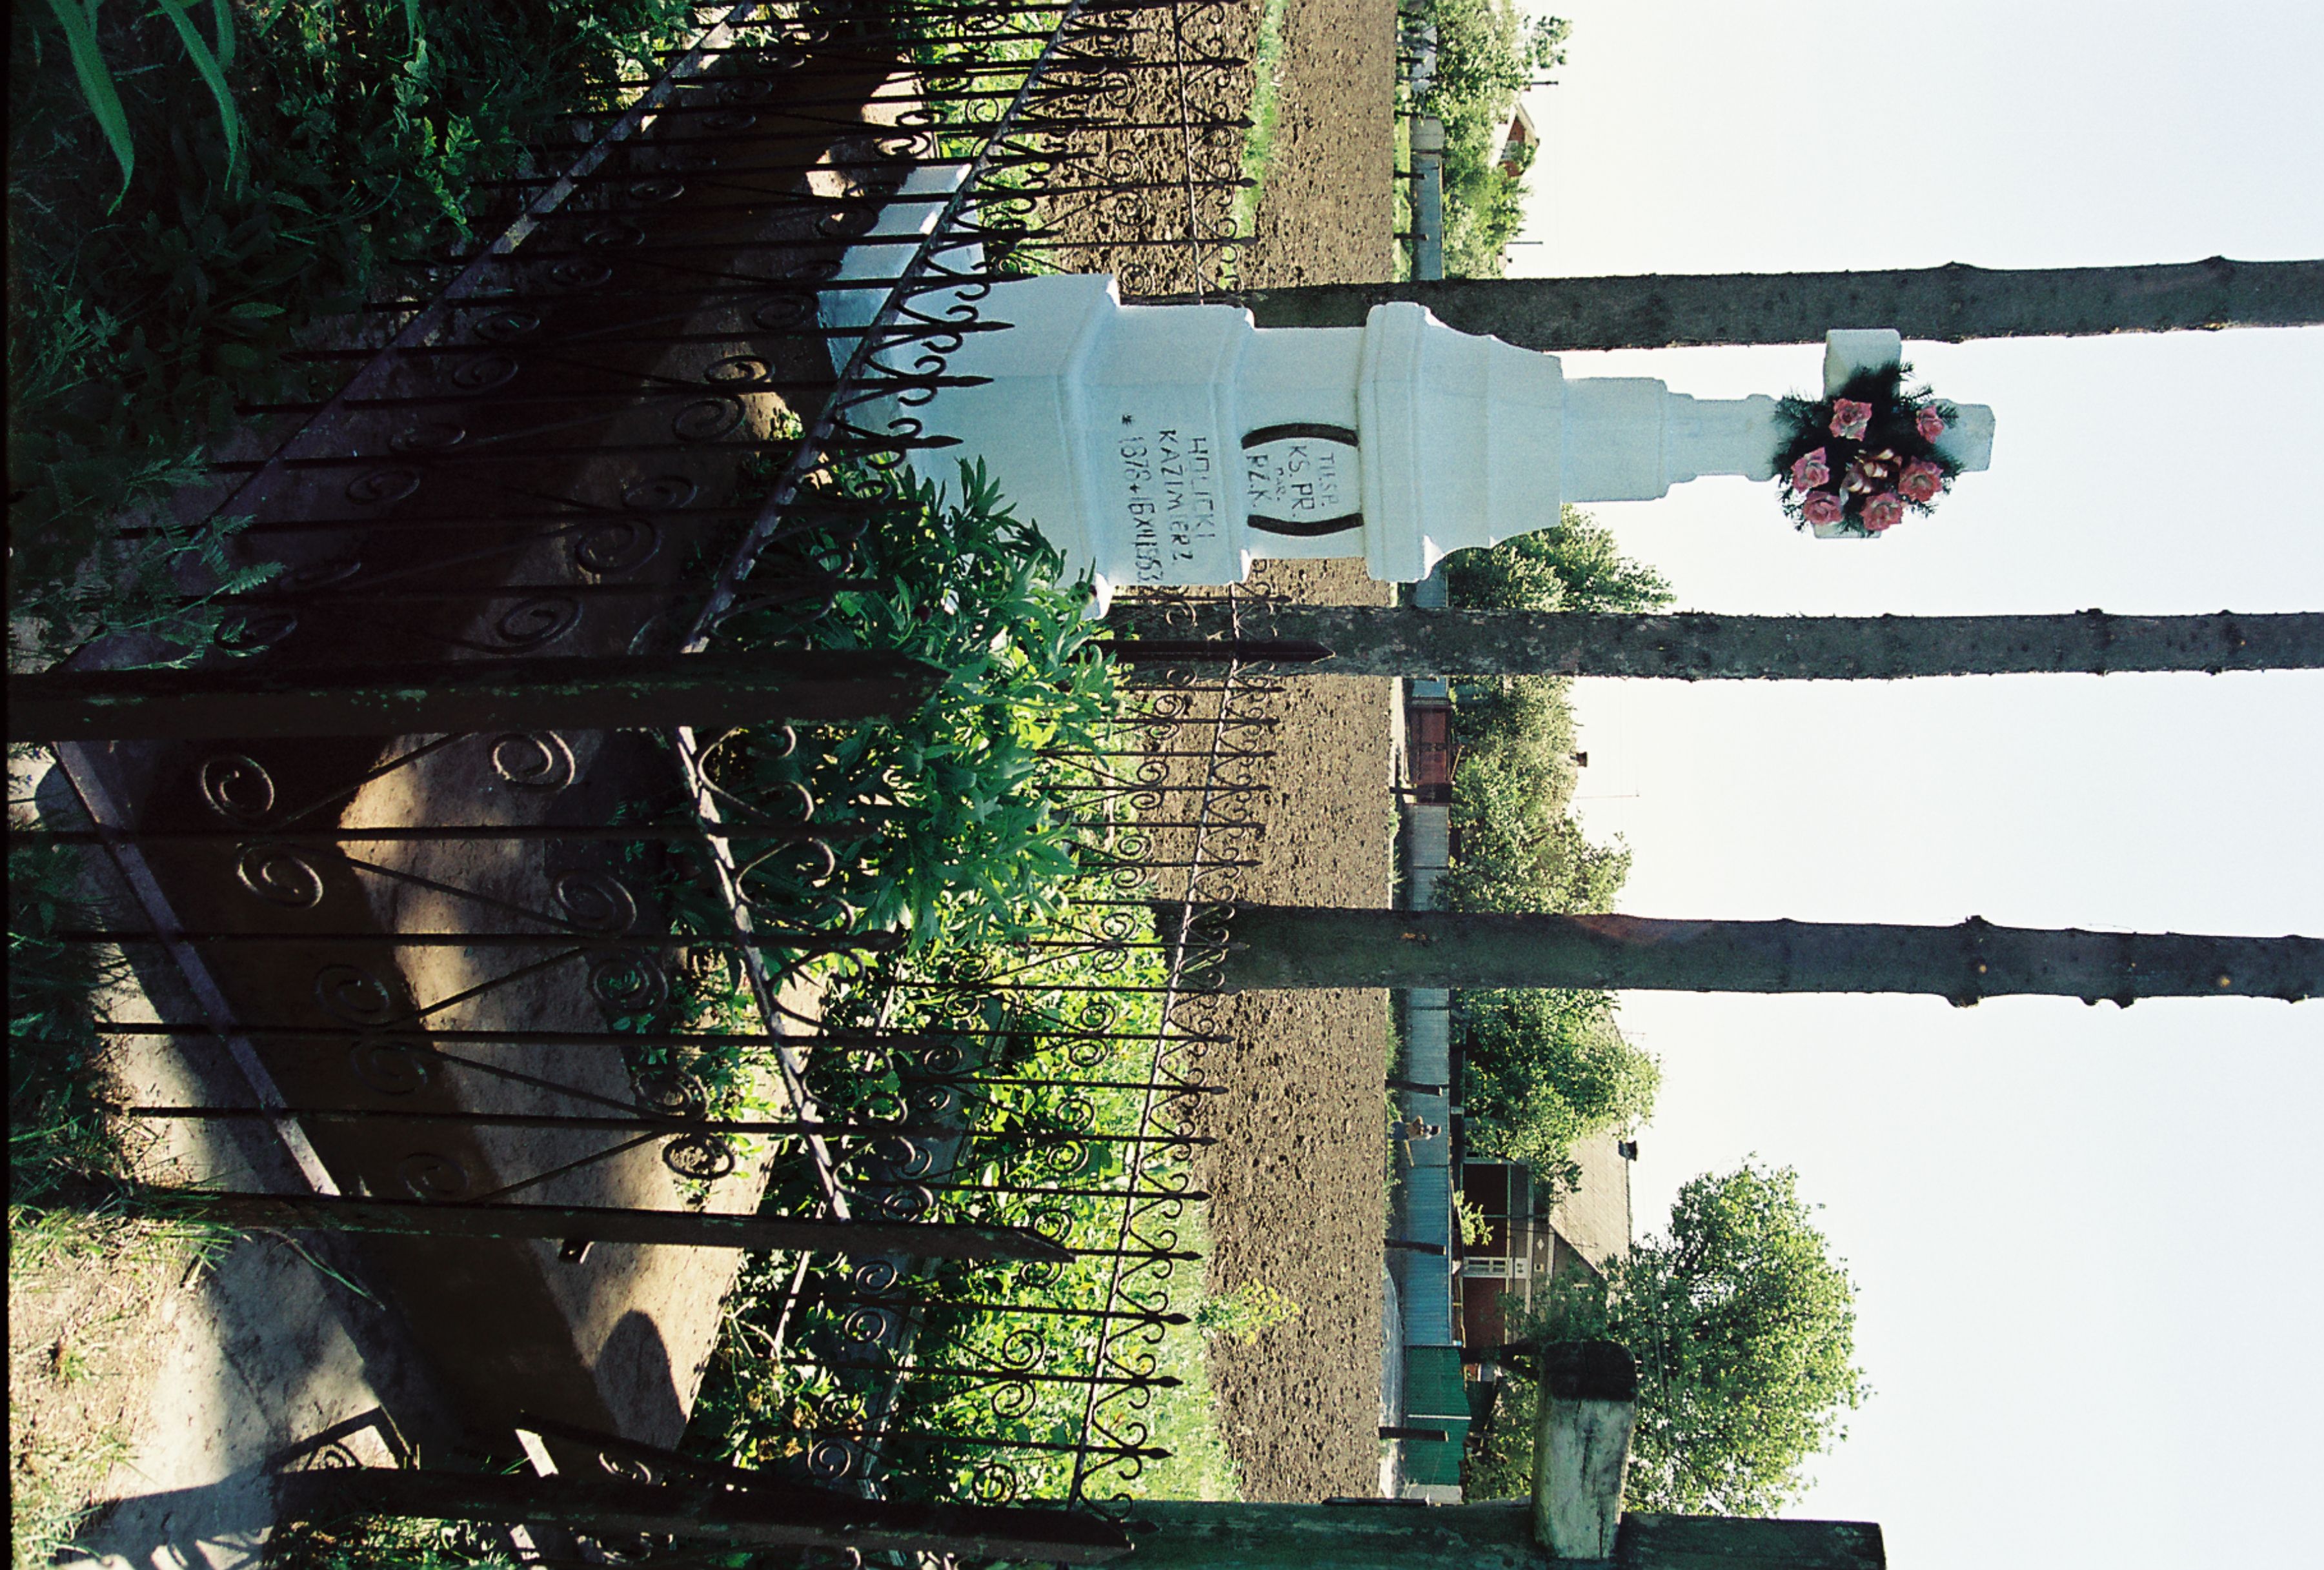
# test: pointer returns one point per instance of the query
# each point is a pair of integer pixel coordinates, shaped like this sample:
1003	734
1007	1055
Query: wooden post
588	692
1286	946
1389	1535
1582	1447
1944	304
1695	646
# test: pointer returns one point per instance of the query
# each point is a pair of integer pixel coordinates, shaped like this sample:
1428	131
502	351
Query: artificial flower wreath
1857	463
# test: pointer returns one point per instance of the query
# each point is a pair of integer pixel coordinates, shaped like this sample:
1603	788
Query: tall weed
268	180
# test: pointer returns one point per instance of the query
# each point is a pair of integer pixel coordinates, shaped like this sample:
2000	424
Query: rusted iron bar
968	1528
597	1223
709	691
701	1511
573	938
636	1122
461	832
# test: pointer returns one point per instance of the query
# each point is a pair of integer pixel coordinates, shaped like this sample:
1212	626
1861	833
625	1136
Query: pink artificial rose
1813	470
1849	418
1885	511
1824	507
1930	424
1921	482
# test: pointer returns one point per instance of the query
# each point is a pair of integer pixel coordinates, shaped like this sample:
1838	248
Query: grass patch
49	1493
1403	215
379	1543
58	1131
1266	115
1185	1417
51	1475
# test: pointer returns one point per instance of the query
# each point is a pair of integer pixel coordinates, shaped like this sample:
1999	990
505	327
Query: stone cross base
1175	445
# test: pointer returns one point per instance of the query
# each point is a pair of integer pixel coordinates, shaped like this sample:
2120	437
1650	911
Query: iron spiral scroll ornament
996	1092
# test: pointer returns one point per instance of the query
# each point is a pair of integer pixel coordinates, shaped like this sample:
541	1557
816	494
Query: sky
2088	1242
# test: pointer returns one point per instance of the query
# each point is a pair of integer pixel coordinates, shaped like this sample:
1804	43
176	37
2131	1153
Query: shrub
969	840
142	311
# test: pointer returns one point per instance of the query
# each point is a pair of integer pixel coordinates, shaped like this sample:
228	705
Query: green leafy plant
1060	1047
77	18
1744	1328
1475	1229
1245	1313
966	838
57	1127
189	206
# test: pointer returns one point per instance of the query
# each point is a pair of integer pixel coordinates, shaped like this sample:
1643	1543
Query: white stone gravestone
1173	444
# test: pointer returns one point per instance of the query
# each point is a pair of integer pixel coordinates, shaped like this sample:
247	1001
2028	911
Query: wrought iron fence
668	413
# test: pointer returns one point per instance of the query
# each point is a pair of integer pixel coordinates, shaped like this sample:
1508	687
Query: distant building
1449	1295
1430	755
1515	145
1532	1239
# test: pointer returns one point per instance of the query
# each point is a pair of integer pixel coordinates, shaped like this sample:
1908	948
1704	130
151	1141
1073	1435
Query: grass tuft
1266	116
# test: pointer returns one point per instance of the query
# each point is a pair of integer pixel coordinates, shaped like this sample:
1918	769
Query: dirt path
1324	216
1296	1179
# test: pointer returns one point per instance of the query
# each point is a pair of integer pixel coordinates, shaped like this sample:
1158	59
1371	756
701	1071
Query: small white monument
1173	444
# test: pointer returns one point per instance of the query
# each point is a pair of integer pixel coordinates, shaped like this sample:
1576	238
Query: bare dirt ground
1296	1178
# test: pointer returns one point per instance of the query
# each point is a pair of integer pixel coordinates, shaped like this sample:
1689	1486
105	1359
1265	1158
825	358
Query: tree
1512	793
1744	1328
1291	946
1698	646
1520	848
1485	54
1578	566
1944	304
1544	1069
